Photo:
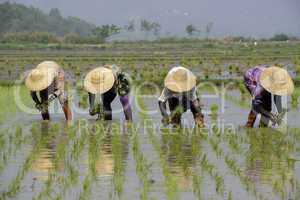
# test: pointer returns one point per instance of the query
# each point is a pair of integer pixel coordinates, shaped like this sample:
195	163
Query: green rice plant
14	141
295	98
95	141
2	141
219	181
85	194
197	181
142	166
230	196
170	180
14	186
236	170
94	137
243	91
46	192
214	109
215	144
234	145
212	171
60	155
119	167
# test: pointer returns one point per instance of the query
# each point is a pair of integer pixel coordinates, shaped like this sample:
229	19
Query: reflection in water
267	161
105	164
46	158
182	151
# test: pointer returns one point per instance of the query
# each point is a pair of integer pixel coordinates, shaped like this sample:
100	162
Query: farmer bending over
48	79
262	82
108	81
180	93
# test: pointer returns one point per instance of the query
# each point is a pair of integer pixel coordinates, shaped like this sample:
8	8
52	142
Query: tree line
21	24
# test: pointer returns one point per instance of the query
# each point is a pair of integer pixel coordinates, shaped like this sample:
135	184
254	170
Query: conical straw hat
99	80
277	81
48	64
40	78
180	79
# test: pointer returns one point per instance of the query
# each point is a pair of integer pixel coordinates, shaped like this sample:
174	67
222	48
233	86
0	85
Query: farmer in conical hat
180	93
48	80
262	82
108	81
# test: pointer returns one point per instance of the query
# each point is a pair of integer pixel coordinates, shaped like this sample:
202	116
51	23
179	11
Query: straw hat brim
99	88
180	86
272	86
43	83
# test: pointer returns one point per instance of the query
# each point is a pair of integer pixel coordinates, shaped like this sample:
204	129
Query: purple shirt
251	79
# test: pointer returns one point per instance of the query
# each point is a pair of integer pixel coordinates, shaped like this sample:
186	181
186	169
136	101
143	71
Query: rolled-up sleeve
192	95
164	95
60	87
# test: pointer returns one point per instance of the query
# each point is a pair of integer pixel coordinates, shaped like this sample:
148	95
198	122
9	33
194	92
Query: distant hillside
19	18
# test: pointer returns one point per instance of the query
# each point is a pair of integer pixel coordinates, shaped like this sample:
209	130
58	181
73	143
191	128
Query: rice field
89	159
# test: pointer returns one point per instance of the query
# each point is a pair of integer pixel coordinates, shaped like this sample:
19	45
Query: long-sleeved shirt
184	97
261	98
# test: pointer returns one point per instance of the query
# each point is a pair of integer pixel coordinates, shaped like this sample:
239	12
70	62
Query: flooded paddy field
90	159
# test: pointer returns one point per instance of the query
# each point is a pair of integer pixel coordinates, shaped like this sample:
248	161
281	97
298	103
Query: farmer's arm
278	103
64	102
34	97
196	108
126	107
59	92
162	103
257	107
92	109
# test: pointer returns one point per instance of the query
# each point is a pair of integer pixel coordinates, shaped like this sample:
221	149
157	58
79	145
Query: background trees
103	32
192	30
19	18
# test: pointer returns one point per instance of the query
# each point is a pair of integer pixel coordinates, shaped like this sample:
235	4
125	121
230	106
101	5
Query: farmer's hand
199	121
93	111
278	119
39	106
166	120
274	118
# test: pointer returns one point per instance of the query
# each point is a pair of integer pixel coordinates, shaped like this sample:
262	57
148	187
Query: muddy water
54	160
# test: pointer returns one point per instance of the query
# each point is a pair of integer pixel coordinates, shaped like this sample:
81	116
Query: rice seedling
212	171
14	186
197	181
142	166
118	156
234	144
95	141
215	144
170	181
53	176
85	194
214	111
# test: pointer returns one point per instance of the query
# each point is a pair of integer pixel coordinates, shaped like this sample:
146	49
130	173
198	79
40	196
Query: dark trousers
177	108
107	99
44	98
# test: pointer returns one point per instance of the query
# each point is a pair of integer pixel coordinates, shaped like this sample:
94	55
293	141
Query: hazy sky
239	17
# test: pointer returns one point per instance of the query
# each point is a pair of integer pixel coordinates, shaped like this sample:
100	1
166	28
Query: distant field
208	59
